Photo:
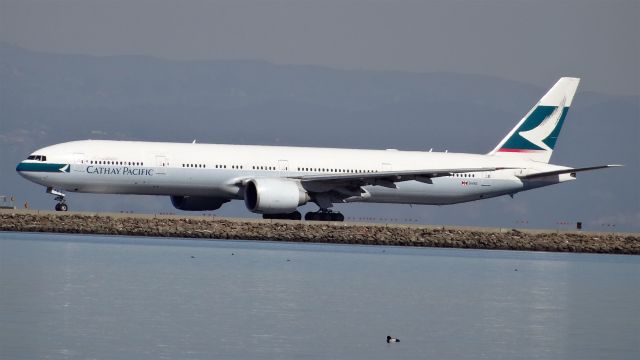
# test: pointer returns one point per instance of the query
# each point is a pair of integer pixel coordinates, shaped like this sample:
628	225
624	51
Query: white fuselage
276	180
185	169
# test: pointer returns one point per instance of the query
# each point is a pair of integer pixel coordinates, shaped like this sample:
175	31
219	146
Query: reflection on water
79	297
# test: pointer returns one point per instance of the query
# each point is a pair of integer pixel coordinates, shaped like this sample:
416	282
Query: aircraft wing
382	178
565	171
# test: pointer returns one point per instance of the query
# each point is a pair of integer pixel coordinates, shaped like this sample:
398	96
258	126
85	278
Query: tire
337	217
291	216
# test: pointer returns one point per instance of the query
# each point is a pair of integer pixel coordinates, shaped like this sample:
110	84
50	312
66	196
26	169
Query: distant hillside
50	98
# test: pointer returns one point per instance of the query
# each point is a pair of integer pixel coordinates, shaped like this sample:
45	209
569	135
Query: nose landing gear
61	205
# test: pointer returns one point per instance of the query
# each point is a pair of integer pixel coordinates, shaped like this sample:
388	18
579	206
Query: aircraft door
162	162
283	165
78	160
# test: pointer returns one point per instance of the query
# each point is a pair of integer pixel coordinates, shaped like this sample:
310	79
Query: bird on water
391	339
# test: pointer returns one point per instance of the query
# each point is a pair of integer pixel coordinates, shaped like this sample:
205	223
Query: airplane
275	180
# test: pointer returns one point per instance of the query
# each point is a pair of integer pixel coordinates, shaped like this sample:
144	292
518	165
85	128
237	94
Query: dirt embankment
338	233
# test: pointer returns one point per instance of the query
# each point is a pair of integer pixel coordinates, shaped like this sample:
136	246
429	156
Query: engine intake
274	196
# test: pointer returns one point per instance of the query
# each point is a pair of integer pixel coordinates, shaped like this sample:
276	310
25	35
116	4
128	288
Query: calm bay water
97	297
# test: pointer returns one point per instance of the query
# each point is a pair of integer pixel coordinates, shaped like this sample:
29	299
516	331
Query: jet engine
274	196
197	203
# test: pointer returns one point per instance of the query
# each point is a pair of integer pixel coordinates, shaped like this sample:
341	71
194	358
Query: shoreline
207	227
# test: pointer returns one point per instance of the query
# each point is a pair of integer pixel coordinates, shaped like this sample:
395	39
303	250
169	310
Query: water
98	297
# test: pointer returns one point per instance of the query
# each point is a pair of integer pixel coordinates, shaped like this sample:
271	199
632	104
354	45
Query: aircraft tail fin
535	136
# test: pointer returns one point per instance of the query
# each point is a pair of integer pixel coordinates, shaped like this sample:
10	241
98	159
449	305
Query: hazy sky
531	41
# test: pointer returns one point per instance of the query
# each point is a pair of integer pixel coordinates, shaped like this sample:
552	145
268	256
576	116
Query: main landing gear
324	215
291	216
61	205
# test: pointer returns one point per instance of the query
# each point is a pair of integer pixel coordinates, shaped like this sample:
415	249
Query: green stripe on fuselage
43	167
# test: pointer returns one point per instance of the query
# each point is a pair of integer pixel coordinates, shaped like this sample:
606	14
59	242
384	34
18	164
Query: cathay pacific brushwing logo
65	168
541	132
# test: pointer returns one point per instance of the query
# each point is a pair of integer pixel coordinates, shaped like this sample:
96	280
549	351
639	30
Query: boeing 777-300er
275	180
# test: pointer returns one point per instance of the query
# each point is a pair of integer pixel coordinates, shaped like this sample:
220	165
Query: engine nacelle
273	196
197	203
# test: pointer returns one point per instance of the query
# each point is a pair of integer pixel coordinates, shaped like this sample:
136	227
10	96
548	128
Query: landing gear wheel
324	216
291	216
61	207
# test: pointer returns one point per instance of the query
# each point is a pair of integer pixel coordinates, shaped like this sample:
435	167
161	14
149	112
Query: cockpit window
37	157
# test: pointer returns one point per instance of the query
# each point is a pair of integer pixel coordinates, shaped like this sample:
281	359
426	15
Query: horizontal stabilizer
566	171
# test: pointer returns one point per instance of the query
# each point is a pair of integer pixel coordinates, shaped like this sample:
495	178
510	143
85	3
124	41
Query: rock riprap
336	233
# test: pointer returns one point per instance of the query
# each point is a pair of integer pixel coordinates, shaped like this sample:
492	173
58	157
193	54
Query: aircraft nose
27	171
21	168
